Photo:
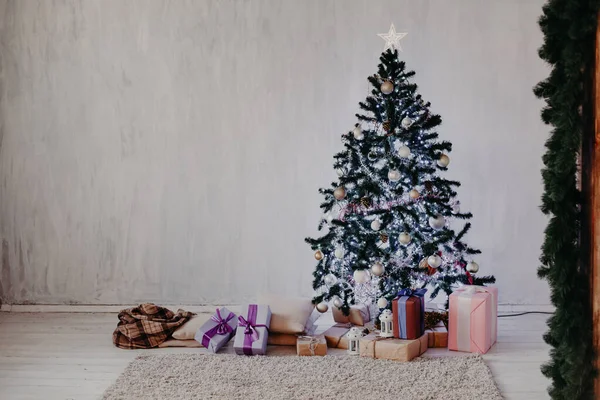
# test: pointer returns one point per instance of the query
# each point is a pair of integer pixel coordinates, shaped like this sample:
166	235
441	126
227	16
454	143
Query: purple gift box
216	332
253	330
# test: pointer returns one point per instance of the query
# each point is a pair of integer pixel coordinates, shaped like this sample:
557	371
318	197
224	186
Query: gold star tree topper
392	39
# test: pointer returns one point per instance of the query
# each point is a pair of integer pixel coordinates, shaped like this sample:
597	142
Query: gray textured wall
172	150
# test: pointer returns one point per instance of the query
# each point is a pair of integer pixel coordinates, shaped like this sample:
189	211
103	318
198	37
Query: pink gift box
472	321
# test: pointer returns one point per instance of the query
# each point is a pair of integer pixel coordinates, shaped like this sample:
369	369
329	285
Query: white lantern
387	327
354	335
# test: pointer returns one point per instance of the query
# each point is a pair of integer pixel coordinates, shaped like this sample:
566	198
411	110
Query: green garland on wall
569	27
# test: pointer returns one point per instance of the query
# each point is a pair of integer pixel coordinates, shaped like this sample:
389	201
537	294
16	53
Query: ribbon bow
250	329
412	292
222	327
472	289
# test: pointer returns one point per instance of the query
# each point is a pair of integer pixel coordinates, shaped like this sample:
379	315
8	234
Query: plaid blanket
147	325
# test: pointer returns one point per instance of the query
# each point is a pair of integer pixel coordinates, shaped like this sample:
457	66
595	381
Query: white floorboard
71	356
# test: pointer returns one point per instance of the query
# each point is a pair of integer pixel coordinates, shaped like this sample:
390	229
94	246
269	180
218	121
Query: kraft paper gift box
359	315
218	330
408	310
253	330
394	349
311	346
437	336
472	323
336	336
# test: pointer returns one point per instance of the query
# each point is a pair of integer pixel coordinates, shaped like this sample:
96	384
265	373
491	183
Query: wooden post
591	151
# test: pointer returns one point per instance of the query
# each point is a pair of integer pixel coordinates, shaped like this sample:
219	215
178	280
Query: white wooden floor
71	356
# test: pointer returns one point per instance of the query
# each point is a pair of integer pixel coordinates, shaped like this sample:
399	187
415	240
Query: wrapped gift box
472	325
311	346
253	330
437	336
408	310
359	315
281	339
374	346
218	330
336	336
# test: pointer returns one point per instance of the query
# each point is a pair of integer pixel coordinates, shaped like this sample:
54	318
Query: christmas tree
390	215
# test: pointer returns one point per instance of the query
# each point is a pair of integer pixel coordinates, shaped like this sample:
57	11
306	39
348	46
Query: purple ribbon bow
411	292
222	327
250	329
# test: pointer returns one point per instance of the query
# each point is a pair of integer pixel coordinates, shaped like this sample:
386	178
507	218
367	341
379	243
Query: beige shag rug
225	376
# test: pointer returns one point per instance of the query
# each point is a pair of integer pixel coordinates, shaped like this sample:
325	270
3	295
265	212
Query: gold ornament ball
322	307
337	302
473	267
414	194
358	133
339	193
377	269
406	122
387	87
434	261
318	255
360	276
443	161
404	238
382	302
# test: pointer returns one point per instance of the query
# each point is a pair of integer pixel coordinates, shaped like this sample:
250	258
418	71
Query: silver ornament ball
376	225
339	253
404	238
377	269
437	222
456	208
434	261
382	302
394	175
360	276
404	152
330	279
